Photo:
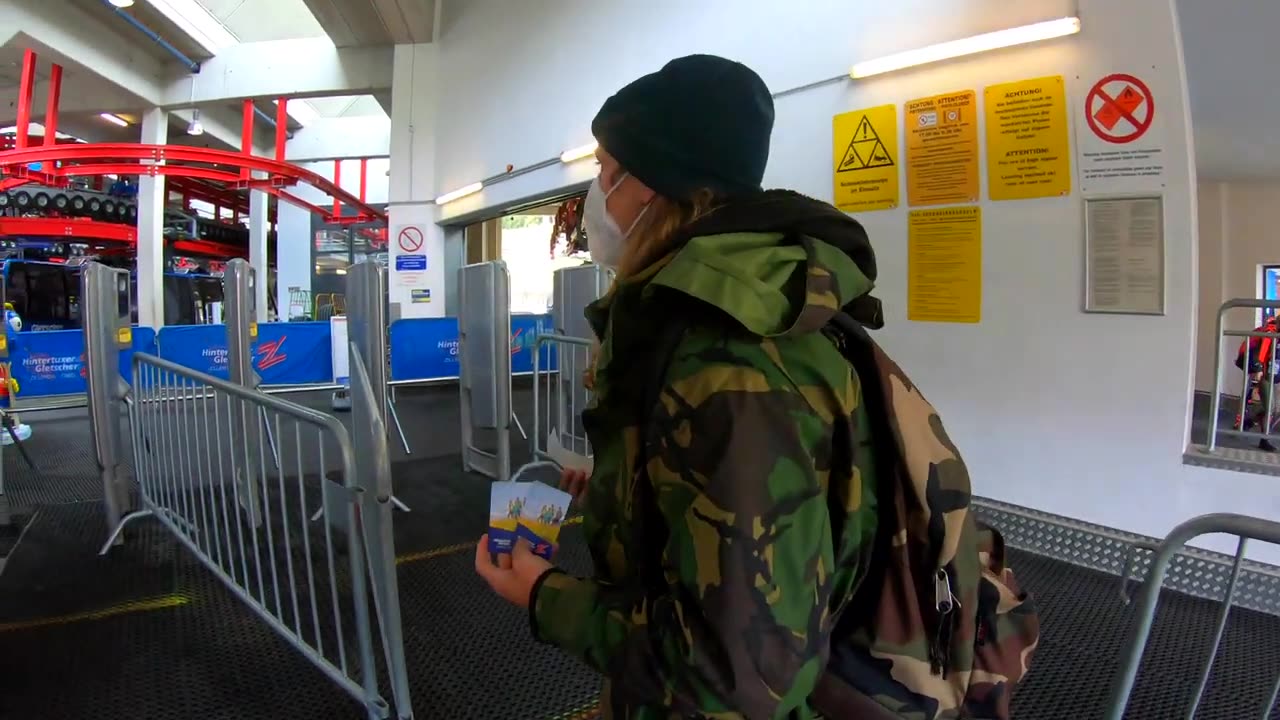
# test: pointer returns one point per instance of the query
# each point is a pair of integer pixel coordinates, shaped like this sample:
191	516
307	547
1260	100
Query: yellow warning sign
124	336
944	265
942	149
1028	146
865	155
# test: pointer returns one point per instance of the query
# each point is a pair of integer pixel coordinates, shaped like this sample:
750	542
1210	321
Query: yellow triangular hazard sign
865	150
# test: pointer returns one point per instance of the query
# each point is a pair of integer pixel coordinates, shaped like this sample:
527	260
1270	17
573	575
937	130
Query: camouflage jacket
759	472
796	560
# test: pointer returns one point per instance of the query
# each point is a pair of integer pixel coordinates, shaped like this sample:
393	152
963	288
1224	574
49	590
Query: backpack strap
646	515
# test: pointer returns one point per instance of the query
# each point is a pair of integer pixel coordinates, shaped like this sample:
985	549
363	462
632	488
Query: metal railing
1245	528
196	475
560	395
273	531
1264	382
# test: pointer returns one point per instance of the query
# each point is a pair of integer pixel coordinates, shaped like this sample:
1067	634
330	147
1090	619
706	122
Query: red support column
26	88
337	181
246	134
364	176
217	212
51	111
282	125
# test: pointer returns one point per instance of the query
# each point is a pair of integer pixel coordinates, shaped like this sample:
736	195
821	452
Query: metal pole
26	88
367	333
242	330
1140	627
51	109
106	332
1223	614
1215	402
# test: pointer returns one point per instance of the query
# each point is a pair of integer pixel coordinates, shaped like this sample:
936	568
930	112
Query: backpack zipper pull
943	599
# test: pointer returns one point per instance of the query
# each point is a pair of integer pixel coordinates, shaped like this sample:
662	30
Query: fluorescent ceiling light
197	23
578	153
461	192
968	46
122	3
300	110
114	119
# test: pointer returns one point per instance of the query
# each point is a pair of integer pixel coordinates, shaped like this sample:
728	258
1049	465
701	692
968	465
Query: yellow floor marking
157	603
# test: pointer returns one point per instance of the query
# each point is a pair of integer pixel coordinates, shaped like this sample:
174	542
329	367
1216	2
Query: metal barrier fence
1245	528
272	532
560	395
1262	381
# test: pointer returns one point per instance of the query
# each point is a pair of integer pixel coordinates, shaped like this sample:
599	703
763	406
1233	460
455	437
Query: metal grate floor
147	632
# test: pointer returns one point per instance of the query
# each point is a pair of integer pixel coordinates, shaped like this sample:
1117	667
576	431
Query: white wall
1238	234
1077	414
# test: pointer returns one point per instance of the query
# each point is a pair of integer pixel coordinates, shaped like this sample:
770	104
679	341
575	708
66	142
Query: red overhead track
60	163
224	166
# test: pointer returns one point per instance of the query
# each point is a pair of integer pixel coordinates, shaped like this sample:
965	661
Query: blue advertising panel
525	330
427	348
424	348
202	348
295	353
53	362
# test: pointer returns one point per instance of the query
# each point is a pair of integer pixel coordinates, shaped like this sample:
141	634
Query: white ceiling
258	21
1232	57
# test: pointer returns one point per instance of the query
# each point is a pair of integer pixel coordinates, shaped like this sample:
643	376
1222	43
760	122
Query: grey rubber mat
1083	626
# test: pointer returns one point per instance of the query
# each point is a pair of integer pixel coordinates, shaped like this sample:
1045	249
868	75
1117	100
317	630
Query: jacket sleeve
742	621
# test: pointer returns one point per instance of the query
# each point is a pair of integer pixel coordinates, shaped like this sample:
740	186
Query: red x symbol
1121	106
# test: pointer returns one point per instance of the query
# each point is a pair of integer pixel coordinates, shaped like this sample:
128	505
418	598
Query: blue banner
295	353
53	363
525	330
424	348
202	348
427	348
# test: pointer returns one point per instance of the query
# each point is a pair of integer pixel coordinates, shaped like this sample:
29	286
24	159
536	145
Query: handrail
1242	526
1220	332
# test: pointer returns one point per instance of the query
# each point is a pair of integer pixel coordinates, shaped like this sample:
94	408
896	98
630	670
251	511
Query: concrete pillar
415	244
258	226
151	201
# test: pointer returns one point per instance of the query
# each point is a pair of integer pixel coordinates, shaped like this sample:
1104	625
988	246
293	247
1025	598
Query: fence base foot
114	537
399	505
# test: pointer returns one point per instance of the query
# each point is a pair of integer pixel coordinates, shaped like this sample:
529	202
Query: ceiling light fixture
968	46
114	119
578	153
195	128
122	3
461	192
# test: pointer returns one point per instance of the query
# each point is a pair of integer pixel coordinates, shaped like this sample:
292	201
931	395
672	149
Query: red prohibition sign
410	239
1104	121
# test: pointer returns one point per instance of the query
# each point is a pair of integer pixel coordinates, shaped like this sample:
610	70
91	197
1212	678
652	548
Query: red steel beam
364	177
337	180
26	89
175	154
282	125
51	110
68	227
246	135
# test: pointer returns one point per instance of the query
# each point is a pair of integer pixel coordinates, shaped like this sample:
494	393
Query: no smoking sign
1120	109
410	238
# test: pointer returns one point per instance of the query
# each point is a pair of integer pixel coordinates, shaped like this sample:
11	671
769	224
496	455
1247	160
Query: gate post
484	365
242	332
104	296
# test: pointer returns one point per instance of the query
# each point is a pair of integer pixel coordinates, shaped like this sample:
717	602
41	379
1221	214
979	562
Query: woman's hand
514	576
574	482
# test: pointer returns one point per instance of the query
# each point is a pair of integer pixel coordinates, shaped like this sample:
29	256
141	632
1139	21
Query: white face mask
604	238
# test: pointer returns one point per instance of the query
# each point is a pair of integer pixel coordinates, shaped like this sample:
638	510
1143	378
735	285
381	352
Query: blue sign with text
53	362
411	263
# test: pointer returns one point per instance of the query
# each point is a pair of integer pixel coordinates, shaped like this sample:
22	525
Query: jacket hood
777	262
